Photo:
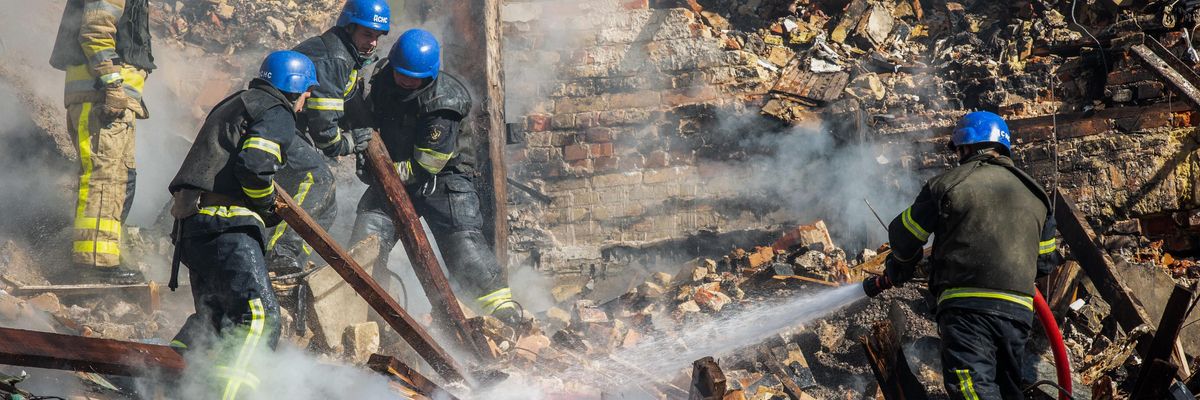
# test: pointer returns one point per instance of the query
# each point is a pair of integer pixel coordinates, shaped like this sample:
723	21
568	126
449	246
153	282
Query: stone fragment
360	341
47	302
529	347
807	236
587	312
557	317
651	290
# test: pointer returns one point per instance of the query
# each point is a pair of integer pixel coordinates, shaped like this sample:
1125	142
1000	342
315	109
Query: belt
209	199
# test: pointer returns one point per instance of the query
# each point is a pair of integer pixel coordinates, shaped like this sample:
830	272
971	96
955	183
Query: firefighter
224	198
335	118
420	111
104	47
993	232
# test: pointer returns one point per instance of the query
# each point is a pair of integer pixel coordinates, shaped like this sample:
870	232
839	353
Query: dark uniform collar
266	87
343	35
990	158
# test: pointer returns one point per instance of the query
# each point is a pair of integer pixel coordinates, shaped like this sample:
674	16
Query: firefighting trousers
314	191
451	208
237	314
983	355
106	183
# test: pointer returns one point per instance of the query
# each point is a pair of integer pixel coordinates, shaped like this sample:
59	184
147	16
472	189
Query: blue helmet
374	14
981	127
289	71
416	54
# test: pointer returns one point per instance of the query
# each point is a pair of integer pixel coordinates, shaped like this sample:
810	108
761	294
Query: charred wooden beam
1152	381
1099	267
76	353
398	371
895	377
380	301
708	381
1175	72
424	263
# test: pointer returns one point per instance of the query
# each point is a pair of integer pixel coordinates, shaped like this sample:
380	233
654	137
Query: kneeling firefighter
420	111
993	232
224	200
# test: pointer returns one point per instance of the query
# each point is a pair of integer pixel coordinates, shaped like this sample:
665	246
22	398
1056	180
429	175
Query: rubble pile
226	27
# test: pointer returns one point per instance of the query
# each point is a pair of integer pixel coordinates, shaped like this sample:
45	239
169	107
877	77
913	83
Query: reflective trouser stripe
239	374
301	194
497	300
1048	246
105	158
966	292
966	385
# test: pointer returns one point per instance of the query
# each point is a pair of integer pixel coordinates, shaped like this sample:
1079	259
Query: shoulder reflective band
1048	246
350	83
258	193
229	212
431	160
324	104
966	292
268	146
912	225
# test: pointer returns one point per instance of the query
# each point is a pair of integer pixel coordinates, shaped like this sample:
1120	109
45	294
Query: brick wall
609	92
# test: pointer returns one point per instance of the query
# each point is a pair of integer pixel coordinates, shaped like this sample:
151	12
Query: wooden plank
1099	267
493	109
424	263
380	301
895	377
1155	386
708	381
76	353
395	369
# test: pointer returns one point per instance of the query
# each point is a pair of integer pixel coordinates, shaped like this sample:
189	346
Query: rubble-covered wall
611	94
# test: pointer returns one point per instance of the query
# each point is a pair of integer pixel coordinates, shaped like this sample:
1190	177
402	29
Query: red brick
606	164
538	122
587	119
575	152
581	164
658	159
599	135
1185	118
636	4
601	150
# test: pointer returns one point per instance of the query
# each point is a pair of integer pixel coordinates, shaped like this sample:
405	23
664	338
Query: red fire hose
1062	364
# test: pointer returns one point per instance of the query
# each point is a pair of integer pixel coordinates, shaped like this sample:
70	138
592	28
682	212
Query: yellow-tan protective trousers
106	183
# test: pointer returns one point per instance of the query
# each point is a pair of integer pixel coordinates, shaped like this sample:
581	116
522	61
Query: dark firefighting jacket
333	107
993	231
241	145
423	129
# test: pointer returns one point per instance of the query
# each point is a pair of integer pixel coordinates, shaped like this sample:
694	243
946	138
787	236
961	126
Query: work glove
362	139
265	208
115	101
873	286
343	147
361	169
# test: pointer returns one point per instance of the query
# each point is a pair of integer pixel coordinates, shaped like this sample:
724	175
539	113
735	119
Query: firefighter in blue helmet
420	112
993	233
224	201
335	122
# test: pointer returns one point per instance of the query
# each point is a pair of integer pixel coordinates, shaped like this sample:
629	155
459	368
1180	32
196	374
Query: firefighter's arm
326	106
908	234
98	37
261	154
438	138
1048	255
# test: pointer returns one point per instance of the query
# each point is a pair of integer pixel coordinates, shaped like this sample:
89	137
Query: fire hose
1062	364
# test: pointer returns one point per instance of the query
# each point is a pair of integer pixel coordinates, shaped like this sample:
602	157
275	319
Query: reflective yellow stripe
268	146
80	80
98	247
84	138
240	373
333	141
101	224
1048	246
965	292
301	194
496	300
350	84
258	193
110	78
404	169
966	385
324	104
431	160
229	212
912	225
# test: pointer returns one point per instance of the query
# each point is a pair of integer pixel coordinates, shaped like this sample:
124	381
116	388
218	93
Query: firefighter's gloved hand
343	146
265	208
361	169
362	139
116	101
875	285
